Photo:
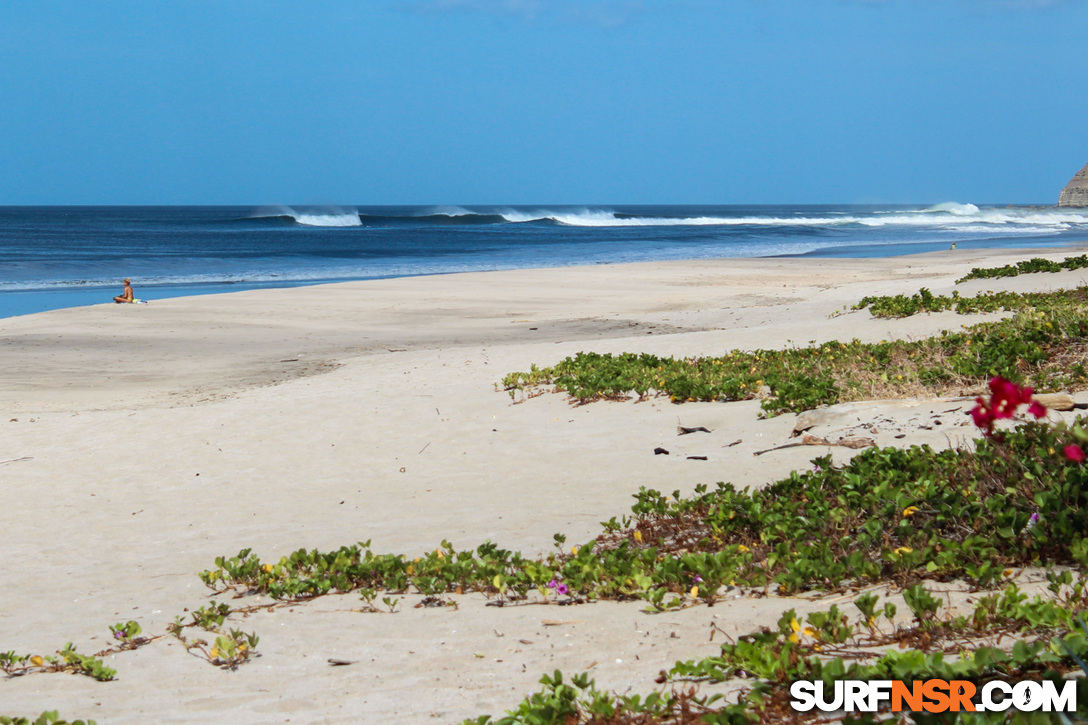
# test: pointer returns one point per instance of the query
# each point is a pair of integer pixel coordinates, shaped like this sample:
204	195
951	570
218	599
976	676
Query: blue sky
540	101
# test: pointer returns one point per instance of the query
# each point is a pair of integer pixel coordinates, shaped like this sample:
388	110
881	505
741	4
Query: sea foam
313	216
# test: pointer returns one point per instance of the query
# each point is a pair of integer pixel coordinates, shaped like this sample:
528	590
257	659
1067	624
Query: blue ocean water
54	257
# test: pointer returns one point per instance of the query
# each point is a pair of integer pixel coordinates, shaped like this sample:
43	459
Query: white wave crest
953	207
949	215
314	216
601	218
989	217
450	211
342	219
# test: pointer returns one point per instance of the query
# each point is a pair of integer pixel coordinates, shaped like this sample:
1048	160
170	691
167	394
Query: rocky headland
1075	192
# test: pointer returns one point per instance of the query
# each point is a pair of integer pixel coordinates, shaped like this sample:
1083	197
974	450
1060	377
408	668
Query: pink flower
1074	453
982	415
1005	398
560	588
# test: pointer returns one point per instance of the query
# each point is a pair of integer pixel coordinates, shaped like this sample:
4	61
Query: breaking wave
947	215
312	217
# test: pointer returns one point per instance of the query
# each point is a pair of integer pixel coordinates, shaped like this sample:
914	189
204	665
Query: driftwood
682	431
1056	401
808	439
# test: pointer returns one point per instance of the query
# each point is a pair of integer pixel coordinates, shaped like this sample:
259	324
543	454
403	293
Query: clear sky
541	101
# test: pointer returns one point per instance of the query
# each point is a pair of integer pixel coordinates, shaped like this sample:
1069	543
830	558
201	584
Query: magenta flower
1005	398
982	415
1074	453
559	587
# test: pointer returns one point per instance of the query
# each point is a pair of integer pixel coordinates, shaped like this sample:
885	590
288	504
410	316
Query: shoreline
18	303
141	442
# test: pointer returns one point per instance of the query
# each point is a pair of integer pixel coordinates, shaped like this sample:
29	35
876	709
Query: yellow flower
795	625
638	536
742	548
214	654
903	550
810	632
694	592
37	661
267	568
910	510
574	550
793	638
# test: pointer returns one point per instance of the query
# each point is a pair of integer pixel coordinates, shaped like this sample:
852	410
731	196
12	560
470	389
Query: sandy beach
139	442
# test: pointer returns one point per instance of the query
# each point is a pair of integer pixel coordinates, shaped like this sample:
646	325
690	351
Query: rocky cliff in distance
1075	192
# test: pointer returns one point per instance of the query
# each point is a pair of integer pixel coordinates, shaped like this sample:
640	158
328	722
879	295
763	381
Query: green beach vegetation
66	659
46	718
230	648
1043	345
926	301
1028	266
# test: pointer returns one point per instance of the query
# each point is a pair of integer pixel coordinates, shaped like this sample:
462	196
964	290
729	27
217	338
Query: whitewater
66	256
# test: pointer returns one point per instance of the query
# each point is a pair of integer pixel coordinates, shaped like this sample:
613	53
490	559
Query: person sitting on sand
127	295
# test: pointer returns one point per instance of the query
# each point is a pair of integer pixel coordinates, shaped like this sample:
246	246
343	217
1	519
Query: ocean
56	257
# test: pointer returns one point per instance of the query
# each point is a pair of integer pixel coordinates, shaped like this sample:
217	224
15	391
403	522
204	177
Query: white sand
151	439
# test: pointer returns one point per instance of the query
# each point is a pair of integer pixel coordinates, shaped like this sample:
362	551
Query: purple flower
559	587
1032	521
